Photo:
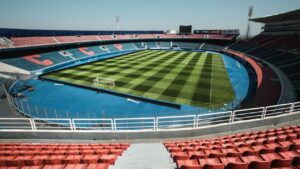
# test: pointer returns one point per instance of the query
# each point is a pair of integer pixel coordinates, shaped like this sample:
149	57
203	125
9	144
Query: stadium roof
292	15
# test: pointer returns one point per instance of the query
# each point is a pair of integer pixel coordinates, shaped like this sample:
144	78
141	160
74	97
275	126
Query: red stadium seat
37	160
87	151
98	166
197	155
296	144
262	149
246	151
285	146
45	152
55	159
101	152
57	166
260	165
277	160
188	164
292	136
249	159
214	153
110	159
76	166
32	167
180	156
72	159
90	158
20	160
5	160
282	137
59	152
73	152
231	152
174	149
211	163
274	147
117	152
234	163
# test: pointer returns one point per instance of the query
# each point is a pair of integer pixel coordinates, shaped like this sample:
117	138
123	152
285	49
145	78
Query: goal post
104	81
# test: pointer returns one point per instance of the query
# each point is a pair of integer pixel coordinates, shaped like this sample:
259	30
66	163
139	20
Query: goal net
104	81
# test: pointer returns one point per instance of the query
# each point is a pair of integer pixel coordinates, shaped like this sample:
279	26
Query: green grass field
192	78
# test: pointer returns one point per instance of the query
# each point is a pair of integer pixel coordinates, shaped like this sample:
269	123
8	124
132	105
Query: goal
99	81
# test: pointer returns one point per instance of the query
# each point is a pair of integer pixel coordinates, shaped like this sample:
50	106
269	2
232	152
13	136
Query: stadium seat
214	153
90	158
72	159
277	160
98	166
5	160
211	163
19	161
87	152
231	152
101	152
32	167
58	166
110	159
10	167
234	163
262	149
73	152
180	156
75	166
37	160
188	164
197	155
55	159
259	165
117	152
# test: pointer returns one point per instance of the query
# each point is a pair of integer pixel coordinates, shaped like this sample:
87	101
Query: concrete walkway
145	156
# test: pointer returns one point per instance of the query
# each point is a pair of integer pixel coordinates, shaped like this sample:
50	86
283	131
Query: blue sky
137	14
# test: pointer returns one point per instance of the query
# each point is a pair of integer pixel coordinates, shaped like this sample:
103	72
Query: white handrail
144	124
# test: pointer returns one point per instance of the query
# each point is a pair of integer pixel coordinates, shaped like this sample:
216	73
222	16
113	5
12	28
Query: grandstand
278	44
148	99
273	148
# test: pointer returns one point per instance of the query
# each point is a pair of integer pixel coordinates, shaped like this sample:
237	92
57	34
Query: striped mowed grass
182	77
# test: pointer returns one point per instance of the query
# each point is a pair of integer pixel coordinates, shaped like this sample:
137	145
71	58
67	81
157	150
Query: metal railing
146	124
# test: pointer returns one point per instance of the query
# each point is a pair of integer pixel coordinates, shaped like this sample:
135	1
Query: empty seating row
68	39
64	145
63	166
32	41
260	149
292	131
286	160
38	155
29	160
61	152
50	40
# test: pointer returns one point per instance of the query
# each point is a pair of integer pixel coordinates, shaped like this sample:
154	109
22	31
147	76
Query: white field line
211	81
169	83
202	45
166	87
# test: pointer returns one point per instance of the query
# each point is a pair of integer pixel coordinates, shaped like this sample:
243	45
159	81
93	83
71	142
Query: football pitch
182	77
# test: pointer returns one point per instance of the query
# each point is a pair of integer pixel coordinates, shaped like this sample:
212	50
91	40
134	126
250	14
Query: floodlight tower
118	22
248	30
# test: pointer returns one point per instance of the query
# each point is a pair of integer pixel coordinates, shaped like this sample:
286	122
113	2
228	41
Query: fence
146	124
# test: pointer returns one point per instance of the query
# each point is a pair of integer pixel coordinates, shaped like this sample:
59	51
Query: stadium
167	99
